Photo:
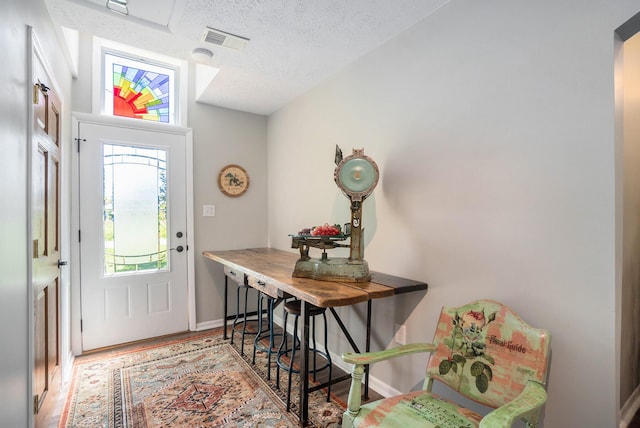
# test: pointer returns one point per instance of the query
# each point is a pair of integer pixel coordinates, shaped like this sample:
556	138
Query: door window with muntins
135	209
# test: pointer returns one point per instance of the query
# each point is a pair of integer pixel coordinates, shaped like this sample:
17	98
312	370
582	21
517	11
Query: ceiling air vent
220	38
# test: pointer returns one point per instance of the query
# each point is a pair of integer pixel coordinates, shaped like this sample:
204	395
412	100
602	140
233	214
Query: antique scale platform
356	175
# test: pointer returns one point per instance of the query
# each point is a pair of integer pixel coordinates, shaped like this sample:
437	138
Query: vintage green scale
356	175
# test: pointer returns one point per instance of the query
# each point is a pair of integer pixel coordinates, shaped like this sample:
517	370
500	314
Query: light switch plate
209	210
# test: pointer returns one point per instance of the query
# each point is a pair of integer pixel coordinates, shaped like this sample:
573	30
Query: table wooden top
276	267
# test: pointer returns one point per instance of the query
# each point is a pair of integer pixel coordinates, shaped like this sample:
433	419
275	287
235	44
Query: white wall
14	375
15	307
493	126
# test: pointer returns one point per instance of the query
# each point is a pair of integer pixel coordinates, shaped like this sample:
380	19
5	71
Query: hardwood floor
49	413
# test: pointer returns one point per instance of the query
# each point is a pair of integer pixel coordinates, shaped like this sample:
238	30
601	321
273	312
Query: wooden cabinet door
45	243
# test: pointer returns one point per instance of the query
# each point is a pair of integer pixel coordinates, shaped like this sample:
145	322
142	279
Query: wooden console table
269	271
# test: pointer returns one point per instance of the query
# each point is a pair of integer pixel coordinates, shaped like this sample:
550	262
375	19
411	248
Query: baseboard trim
208	325
376	384
67	368
630	408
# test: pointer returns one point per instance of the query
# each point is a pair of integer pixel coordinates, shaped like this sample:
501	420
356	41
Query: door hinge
78	141
37	87
81	326
36	401
79	236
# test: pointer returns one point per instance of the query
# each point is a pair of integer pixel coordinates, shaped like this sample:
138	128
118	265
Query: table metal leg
304	365
354	346
226	286
367	349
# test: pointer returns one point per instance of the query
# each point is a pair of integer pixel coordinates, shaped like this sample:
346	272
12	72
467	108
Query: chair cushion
406	410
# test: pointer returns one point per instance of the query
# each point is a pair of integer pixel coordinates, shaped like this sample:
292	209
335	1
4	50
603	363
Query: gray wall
222	137
493	126
15	306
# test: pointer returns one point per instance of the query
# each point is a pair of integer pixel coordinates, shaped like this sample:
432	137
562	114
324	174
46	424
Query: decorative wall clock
233	180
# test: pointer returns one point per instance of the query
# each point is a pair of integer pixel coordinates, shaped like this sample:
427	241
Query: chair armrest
374	357
360	360
532	397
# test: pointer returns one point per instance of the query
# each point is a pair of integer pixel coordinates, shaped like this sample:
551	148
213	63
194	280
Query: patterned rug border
215	335
118	351
90	357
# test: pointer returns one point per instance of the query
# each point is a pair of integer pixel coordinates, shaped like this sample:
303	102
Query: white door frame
76	334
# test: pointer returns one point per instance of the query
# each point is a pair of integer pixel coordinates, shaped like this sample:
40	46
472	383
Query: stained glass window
139	89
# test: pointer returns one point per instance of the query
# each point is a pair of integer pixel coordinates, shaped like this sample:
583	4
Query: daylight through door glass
134	209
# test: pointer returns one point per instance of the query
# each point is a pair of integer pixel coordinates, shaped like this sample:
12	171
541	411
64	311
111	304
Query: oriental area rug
199	381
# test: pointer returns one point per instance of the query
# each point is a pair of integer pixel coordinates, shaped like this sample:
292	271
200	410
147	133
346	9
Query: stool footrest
285	366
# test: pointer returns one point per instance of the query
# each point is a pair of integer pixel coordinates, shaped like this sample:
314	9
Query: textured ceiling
293	46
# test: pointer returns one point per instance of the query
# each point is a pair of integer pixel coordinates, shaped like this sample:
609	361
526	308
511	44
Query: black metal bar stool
261	335
294	307
244	317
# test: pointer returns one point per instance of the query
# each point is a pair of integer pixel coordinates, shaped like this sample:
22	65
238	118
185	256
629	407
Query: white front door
133	225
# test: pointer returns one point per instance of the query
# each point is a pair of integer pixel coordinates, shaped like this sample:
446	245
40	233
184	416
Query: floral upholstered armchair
484	351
